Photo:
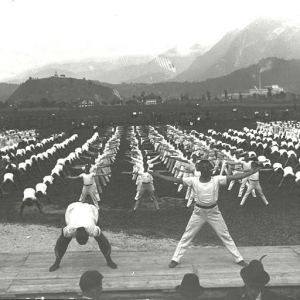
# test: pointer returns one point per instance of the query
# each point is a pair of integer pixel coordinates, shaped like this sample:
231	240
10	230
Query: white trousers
199	217
242	187
254	185
92	191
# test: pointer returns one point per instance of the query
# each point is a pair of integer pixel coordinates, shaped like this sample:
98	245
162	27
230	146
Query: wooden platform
141	273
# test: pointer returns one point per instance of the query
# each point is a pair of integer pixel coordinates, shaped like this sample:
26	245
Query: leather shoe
242	263
173	264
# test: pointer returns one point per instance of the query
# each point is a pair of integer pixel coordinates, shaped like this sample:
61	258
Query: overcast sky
37	32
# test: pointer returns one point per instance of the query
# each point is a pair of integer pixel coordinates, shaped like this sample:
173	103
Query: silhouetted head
91	284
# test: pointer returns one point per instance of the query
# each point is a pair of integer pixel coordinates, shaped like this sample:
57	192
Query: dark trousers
63	243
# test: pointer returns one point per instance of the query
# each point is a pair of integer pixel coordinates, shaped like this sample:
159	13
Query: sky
34	33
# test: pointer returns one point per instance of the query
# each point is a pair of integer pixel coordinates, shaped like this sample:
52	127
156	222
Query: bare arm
179	159
167	178
266	170
72	177
185	170
124	172
243	175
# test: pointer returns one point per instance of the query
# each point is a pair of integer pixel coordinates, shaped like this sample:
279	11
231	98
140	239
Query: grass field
253	225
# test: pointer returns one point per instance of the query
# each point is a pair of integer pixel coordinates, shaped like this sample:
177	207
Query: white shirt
61	161
145	177
41	187
88	179
22	166
81	215
246	165
29	193
20	152
28	162
8	176
254	177
57	169
48	178
207	193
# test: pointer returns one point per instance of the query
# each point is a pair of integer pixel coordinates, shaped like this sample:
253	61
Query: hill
285	73
239	49
6	90
69	90
44	73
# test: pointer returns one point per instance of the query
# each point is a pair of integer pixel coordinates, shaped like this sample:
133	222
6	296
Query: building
150	99
264	91
275	89
151	102
85	103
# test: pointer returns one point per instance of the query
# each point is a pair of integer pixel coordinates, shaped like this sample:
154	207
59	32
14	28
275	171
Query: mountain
274	71
165	66
59	89
239	49
145	68
202	63
6	90
285	73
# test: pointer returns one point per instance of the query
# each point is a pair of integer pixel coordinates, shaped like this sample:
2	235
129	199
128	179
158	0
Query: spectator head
91	284
255	277
190	287
81	236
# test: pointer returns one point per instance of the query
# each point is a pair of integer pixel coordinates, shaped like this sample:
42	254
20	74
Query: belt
88	184
254	179
146	182
206	207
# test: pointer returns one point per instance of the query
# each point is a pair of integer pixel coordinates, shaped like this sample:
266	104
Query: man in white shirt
89	185
145	184
206	208
41	191
30	199
82	221
255	185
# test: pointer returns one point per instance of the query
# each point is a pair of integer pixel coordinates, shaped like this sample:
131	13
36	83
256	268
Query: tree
208	96
240	96
44	102
226	94
130	102
116	101
269	93
186	96
282	95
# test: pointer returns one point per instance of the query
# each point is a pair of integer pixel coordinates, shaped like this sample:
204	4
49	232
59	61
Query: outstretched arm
72	177
243	175
124	172
167	178
266	170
